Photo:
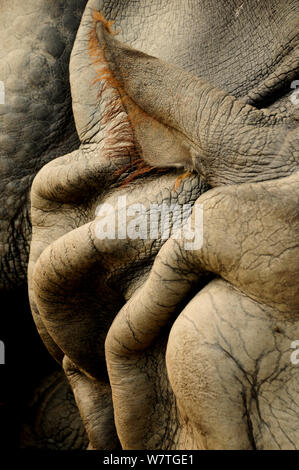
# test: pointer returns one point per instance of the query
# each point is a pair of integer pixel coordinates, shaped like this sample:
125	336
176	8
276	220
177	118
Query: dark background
26	361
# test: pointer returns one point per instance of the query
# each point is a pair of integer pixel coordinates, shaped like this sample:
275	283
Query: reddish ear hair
98	17
97	54
138	167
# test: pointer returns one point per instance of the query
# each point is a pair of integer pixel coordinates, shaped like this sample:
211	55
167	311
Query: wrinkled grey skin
218	379
36	125
36	121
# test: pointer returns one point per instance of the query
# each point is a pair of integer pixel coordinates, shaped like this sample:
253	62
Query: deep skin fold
36	126
133	441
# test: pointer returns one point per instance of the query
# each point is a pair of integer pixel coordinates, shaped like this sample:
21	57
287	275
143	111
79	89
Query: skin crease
222	366
78	284
36	122
36	126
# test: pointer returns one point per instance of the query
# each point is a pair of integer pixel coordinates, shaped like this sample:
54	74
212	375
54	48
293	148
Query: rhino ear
100	102
159	144
95	102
